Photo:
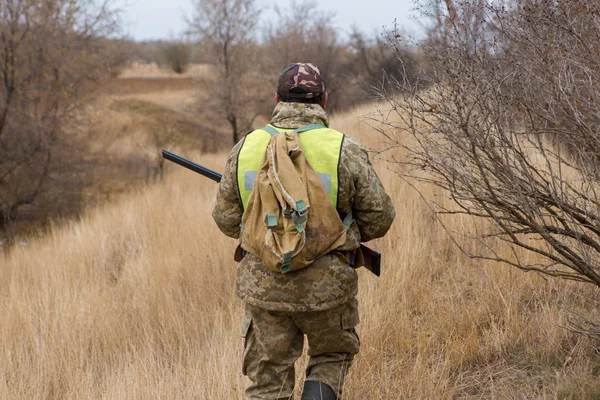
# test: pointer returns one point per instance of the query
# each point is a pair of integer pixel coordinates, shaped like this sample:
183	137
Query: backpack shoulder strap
309	128
272	131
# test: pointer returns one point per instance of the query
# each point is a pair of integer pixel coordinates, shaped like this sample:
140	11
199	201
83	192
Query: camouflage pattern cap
299	82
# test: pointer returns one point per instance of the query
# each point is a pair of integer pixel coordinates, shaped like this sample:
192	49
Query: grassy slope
136	300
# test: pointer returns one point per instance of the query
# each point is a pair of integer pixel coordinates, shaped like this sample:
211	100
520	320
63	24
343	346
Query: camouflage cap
300	82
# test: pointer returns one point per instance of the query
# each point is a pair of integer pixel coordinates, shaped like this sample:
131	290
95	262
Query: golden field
135	300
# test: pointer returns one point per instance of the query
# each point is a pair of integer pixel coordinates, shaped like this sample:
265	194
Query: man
318	301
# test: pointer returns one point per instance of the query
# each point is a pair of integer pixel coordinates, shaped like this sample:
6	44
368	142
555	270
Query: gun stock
365	257
370	259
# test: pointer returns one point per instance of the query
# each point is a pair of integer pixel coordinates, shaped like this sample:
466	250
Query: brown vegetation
129	86
136	300
509	127
131	131
177	57
53	56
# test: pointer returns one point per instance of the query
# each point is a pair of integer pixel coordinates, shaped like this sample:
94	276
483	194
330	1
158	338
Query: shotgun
364	256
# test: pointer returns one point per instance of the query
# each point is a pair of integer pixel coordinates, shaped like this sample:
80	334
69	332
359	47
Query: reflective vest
322	147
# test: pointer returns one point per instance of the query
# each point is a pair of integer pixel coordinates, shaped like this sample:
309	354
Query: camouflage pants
274	341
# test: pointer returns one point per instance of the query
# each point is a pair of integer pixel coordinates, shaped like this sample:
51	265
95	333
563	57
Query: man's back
321	286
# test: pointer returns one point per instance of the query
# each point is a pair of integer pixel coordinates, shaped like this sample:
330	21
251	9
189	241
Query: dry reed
136	301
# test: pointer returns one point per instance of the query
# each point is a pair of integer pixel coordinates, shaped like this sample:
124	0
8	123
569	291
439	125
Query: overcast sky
161	19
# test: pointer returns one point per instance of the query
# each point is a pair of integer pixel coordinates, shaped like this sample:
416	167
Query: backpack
289	221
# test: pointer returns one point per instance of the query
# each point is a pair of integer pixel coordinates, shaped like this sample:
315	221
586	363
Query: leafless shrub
509	128
53	54
177	57
377	60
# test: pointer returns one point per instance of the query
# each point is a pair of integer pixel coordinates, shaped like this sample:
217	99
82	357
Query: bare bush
53	54
177	57
509	128
378	60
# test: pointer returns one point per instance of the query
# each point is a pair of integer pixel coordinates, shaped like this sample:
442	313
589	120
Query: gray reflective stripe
249	179
326	181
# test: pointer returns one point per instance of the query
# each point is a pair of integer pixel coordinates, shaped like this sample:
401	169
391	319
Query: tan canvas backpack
289	221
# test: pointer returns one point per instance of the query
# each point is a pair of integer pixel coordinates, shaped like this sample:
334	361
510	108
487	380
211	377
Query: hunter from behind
301	197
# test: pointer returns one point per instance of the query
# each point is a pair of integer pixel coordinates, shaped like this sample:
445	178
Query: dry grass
136	301
150	70
143	78
118	140
135	86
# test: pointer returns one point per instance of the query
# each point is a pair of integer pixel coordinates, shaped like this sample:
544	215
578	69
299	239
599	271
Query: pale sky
161	19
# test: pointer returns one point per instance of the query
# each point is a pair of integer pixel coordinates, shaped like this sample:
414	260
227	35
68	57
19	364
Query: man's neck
295	115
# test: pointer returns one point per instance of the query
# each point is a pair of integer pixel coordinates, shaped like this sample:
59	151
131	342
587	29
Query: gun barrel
209	173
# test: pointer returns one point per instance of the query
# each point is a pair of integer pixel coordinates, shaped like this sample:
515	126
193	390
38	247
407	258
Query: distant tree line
248	53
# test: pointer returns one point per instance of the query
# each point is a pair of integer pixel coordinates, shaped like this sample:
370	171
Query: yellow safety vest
322	147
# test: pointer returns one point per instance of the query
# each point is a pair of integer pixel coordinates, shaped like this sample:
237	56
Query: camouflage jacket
328	282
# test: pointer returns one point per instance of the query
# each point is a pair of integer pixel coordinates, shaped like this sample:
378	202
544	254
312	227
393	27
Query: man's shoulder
353	150
233	154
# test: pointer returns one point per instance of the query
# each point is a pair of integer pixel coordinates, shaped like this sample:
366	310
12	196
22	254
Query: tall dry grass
136	301
139	70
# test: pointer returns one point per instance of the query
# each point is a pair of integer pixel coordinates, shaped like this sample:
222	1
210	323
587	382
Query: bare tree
228	26
510	128
53	54
305	33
